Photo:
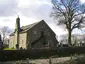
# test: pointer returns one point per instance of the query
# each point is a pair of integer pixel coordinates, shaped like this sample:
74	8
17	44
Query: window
48	34
48	43
44	41
42	33
35	32
43	26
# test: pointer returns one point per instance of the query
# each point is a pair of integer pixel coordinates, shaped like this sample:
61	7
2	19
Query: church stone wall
35	34
33	37
22	40
11	42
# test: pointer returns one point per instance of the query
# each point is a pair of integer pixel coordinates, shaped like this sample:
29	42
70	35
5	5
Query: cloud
26	3
38	9
29	10
83	1
8	7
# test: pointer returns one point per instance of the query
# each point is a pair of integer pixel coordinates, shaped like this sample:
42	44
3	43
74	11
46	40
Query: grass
9	49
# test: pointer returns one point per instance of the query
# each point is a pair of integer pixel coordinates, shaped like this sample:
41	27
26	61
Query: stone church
35	36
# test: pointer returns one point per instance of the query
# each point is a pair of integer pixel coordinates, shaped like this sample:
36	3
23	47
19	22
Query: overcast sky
29	11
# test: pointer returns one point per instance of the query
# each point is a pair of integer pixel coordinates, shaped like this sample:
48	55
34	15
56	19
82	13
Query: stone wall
11	41
35	34
22	40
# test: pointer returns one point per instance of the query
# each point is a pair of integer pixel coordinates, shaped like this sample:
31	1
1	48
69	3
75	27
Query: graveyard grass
9	49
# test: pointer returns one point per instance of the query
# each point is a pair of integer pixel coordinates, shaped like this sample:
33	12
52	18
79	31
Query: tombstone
50	62
28	61
21	48
17	46
80	44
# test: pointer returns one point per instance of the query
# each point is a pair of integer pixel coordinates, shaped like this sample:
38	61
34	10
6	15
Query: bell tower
17	30
17	27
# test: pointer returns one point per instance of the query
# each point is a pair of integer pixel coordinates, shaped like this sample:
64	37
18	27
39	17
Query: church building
35	36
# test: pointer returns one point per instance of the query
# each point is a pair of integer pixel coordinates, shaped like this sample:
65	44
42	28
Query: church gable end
41	36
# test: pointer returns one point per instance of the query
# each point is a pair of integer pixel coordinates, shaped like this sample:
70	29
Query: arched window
35	32
42	33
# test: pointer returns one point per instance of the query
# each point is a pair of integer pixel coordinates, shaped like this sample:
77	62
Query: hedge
11	55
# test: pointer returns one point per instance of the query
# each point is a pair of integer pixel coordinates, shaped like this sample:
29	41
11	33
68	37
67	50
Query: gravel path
53	60
40	61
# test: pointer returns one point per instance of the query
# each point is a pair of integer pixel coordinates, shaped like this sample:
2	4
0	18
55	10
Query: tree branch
77	25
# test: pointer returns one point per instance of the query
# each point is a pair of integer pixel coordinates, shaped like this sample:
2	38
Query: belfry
17	30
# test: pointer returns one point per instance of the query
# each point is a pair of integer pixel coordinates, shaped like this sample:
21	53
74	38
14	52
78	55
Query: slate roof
12	34
25	28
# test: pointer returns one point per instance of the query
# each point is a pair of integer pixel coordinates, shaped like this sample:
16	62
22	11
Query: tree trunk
3	37
69	37
69	32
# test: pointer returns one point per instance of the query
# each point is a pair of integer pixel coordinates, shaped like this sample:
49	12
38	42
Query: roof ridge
27	27
29	24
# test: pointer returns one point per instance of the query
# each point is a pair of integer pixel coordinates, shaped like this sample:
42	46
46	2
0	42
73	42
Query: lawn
9	49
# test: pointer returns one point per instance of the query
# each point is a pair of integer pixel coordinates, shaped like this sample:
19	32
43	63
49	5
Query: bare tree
69	13
4	31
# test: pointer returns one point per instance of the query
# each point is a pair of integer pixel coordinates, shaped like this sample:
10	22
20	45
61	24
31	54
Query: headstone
50	62
17	46
28	61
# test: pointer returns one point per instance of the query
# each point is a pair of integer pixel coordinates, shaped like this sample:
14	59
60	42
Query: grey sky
8	7
29	11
